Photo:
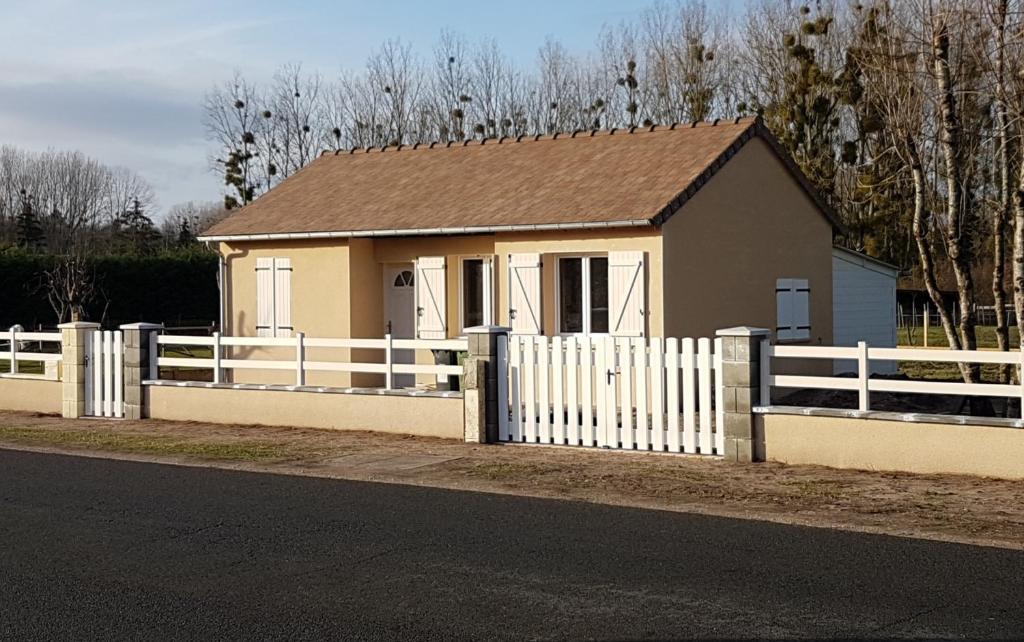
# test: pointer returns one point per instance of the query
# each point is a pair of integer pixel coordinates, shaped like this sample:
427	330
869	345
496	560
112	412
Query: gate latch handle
611	373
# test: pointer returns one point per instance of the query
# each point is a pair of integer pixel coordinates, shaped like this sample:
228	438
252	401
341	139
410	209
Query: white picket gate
616	392
104	375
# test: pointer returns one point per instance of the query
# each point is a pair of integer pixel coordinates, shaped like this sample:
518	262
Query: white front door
400	314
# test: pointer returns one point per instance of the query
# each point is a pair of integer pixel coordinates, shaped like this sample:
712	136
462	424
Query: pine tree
136	229
29	230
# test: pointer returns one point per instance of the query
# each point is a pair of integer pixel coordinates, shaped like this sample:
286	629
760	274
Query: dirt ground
944	507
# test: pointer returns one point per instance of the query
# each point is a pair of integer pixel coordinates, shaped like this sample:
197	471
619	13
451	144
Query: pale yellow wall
424	416
321	302
876	444
30	395
321	297
748	226
550	244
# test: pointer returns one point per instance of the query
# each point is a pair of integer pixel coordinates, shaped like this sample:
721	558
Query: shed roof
602	178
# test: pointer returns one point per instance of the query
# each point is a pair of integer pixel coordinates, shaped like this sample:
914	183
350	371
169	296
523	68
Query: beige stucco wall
30	395
875	444
549	244
424	416
337	286
748	226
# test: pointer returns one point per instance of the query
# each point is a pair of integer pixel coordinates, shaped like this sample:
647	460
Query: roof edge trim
440	231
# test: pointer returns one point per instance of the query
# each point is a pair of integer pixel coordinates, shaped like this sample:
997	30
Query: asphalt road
97	549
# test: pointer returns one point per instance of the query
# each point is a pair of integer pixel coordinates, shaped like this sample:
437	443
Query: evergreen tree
185	235
135	229
29	231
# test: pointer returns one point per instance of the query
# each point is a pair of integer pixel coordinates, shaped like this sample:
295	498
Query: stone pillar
741	377
483	383
136	366
75	338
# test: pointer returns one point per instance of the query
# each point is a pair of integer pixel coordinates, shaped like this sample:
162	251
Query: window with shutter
283	297
524	297
626	293
264	297
273	297
793	310
583	295
477	285
431	303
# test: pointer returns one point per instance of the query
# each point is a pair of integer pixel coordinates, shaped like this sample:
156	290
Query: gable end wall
749	225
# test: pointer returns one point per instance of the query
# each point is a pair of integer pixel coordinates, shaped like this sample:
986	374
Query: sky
123	80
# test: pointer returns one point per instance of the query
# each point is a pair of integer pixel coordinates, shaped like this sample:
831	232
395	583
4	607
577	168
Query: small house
674	230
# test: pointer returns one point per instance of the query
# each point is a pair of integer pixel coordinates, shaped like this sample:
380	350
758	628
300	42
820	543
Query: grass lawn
990	373
937	337
240	450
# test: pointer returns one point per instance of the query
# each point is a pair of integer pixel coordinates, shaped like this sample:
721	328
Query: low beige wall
428	416
877	444
30	395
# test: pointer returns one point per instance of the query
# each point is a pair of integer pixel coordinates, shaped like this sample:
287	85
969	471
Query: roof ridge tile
576	133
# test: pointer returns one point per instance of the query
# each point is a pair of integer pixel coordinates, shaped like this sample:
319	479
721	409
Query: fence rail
299	363
628	393
20	348
863	354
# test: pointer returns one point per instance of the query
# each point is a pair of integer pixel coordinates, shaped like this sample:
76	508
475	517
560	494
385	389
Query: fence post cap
743	331
142	326
79	325
488	329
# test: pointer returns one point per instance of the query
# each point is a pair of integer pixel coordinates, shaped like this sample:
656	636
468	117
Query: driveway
93	548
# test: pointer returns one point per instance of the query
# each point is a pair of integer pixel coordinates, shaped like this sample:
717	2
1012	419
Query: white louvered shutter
431	303
792	299
524	295
283	298
626	293
264	297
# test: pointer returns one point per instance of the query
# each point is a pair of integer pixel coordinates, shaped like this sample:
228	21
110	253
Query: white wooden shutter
264	297
626	294
431	304
792	300
283	298
524	296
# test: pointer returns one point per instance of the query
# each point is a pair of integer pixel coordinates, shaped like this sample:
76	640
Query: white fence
298	362
865	385
104	375
31	347
633	394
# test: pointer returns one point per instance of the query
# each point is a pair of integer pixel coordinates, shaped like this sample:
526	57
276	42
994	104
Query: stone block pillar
484	383
136	366
741	376
75	338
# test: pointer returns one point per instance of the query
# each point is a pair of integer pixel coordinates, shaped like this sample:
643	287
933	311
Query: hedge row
174	287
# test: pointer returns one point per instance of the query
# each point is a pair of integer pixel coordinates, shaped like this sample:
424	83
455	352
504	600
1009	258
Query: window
583	295
273	297
477	292
792	299
404	279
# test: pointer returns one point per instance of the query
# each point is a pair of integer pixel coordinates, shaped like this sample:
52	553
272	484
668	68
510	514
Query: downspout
221	268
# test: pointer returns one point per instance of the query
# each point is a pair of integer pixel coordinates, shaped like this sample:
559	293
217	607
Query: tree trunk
1002	212
924	253
957	226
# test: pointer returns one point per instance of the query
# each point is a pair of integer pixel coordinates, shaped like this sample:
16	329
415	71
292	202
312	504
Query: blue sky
123	80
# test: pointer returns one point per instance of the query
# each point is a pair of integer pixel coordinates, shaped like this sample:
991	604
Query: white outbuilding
863	305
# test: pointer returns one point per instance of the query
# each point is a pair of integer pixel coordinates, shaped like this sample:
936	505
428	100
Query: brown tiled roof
601	178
